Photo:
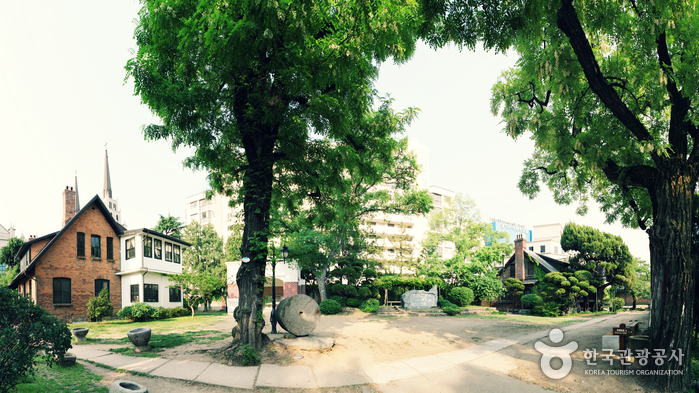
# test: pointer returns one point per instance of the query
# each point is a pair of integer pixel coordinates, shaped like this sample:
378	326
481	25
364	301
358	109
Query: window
96	248
168	252
131	248
193	205
150	293
177	254
100	285
61	291
157	249
531	248
148	247
81	244
543	248
29	290
175	295
512	270
134	293
110	248
391	225
531	269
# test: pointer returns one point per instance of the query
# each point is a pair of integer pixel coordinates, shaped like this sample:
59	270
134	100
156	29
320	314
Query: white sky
63	96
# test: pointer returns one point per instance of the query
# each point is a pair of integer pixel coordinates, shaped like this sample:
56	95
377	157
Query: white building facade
147	257
546	240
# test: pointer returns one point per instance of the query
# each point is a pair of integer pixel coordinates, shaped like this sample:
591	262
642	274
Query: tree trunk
673	272
257	195
322	276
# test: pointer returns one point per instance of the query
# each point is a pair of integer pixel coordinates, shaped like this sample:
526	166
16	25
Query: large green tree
252	85
380	179
170	226
7	253
205	256
608	91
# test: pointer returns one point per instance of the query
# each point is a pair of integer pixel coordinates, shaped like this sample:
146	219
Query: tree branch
679	128
569	23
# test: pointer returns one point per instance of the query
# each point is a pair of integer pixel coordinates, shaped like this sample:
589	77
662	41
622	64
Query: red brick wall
291	288
61	260
520	244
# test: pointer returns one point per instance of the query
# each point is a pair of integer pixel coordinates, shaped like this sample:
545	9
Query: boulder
298	315
418	299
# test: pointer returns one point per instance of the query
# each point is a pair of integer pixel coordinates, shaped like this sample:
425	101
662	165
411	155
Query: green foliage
451	309
548	309
364	292
137	312
370	306
329	307
618	303
199	288
100	307
461	296
7	253
441	303
342	300
170	226
390	281
532	299
249	356
353	302
9	275
233	243
205	256
26	330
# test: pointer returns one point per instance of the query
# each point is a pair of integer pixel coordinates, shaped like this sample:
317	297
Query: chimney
68	204
520	245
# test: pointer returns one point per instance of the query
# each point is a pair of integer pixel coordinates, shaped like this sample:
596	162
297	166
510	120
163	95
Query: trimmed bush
532	300
329	307
26	331
353	302
461	296
548	309
441	303
451	309
618	303
340	299
370	306
364	292
100	307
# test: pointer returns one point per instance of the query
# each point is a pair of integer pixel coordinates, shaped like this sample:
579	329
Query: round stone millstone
298	315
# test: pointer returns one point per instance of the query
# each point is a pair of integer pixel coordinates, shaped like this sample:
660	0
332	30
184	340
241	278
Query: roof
56	235
156	233
547	264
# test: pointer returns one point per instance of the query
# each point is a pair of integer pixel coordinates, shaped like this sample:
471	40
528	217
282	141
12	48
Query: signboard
622	331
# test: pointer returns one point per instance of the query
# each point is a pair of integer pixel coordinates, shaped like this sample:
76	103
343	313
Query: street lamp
273	315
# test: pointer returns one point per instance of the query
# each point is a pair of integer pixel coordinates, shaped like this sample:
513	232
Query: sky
63	96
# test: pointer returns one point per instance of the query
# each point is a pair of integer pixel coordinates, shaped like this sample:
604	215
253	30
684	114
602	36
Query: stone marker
418	299
298	315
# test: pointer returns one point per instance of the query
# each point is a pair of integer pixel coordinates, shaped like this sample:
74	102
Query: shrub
340	299
139	312
353	302
364	292
329	307
618	303
26	330
370	306
443	303
100	307
125	313
180	312
351	291
461	296
548	309
532	299
451	309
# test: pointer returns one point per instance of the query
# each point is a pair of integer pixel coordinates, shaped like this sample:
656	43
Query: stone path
451	370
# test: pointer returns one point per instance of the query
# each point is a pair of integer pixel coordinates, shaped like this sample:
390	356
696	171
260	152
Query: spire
107	192
77	198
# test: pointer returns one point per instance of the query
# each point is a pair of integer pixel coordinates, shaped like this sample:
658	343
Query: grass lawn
61	379
118	328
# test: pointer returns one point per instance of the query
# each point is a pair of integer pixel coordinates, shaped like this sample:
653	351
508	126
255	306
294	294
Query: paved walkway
454	371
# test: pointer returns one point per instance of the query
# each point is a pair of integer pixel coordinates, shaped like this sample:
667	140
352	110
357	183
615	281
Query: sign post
622	331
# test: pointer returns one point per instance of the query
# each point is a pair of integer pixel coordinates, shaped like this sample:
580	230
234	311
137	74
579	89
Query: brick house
522	266
62	270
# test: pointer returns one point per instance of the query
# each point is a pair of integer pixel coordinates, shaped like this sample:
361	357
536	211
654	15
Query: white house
147	257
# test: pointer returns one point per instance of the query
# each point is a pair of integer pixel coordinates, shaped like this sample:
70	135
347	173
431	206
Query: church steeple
107	192
109	201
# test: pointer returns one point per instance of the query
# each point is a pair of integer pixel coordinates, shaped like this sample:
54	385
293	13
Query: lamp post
273	316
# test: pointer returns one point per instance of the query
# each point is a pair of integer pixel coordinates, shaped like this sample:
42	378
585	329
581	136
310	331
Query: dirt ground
362	339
